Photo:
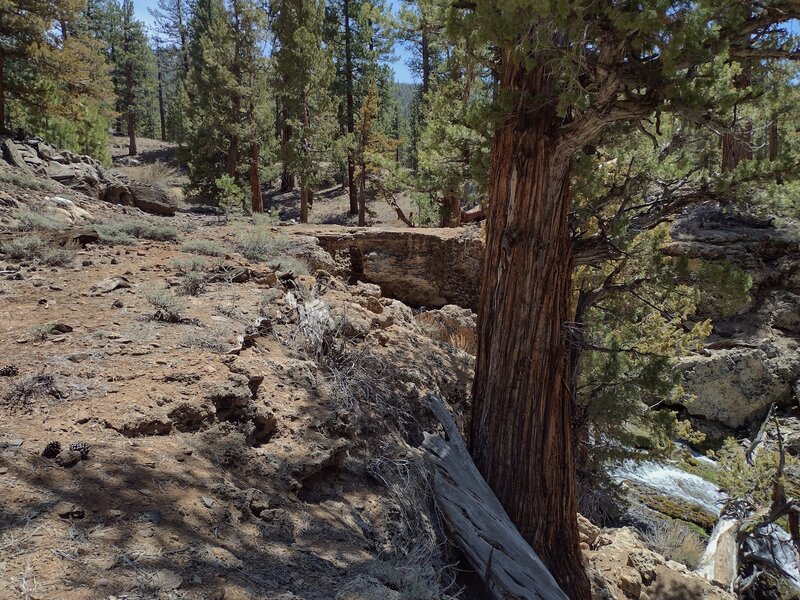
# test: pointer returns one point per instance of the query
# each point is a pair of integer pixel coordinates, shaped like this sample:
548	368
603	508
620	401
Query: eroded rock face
631	571
752	358
419	267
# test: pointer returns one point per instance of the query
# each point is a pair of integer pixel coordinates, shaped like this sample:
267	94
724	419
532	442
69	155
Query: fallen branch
481	528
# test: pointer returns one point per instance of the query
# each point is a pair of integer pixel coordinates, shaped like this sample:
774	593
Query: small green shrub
39	333
32	221
27	181
259	243
33	248
121	233
204	247
192	284
112	235
290	264
27	247
187	265
168	307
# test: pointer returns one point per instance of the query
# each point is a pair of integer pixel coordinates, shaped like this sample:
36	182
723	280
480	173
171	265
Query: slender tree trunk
287	177
257	204
305	191
132	150
426	62
348	66
362	197
2	91
451	211
232	157
161	113
521	427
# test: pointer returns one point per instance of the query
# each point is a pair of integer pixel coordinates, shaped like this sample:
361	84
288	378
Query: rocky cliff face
420	267
752	358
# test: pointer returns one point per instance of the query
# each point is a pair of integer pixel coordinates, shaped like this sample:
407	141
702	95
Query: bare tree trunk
2	91
348	66
161	113
132	150
255	180
305	191
451	211
232	158
362	197
426	62
521	427
287	177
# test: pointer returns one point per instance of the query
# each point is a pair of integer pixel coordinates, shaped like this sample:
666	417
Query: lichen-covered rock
734	386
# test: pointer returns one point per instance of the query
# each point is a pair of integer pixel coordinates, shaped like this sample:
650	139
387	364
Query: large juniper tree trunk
521	430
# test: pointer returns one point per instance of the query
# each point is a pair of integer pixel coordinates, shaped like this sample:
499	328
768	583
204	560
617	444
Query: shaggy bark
521	431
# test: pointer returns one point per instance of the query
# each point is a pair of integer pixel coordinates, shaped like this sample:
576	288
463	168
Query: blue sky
401	72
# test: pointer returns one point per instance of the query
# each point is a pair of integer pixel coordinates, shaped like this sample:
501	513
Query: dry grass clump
156	173
290	264
192	284
675	541
204	247
168	307
124	232
32	248
27	389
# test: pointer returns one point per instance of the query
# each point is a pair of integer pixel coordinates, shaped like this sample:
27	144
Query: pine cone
80	447
52	450
9	371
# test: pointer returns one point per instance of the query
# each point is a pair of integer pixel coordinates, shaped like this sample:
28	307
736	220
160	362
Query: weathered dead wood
481	528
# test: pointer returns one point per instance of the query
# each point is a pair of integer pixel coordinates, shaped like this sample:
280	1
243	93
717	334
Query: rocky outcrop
631	571
752	358
84	174
420	267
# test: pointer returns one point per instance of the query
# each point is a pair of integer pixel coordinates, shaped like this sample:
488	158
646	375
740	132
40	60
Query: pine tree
303	69
226	79
374	151
361	33
63	91
23	27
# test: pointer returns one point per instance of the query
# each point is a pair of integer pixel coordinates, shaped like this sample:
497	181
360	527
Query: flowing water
673	482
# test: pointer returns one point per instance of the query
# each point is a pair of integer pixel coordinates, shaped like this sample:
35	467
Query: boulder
737	385
152	199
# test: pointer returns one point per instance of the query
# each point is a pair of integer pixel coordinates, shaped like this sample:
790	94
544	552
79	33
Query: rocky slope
752	359
181	422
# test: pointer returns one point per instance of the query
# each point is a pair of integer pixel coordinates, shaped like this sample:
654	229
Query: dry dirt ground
261	446
229	429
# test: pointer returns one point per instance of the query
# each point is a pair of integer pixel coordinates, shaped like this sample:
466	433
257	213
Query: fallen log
500	556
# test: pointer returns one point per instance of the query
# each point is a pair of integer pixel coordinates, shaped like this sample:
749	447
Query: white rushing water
673	482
